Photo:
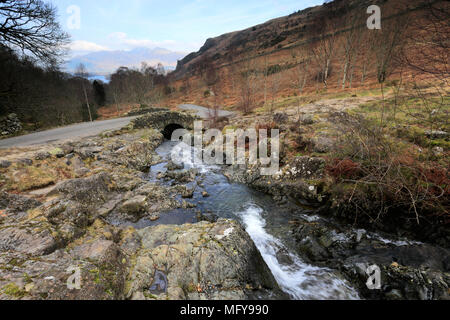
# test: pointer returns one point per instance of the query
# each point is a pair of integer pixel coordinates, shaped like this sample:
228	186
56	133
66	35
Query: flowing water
263	220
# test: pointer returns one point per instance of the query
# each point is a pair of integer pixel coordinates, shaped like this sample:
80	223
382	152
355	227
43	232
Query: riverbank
335	154
358	219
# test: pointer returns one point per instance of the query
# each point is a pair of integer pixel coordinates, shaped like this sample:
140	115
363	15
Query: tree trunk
344	77
363	77
351	76
325	76
87	102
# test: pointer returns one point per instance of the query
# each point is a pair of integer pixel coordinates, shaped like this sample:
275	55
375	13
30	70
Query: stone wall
143	111
10	125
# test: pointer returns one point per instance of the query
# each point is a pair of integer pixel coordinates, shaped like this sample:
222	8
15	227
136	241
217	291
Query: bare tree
82	73
247	78
275	82
32	27
351	43
365	54
427	54
300	73
388	44
429	49
324	33
266	74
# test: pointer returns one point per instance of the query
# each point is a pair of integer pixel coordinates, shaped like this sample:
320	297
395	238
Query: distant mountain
106	62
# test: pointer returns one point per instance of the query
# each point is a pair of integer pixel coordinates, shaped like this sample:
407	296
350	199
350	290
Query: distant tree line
31	85
146	85
44	96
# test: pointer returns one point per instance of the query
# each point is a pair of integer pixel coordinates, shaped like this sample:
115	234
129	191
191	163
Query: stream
264	221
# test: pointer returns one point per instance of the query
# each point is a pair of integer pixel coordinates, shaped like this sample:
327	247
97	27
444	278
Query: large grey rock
322	144
201	261
34	240
5	164
436	134
87	190
408	270
306	167
135	205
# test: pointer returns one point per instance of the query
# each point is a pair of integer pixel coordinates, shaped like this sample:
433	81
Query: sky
177	25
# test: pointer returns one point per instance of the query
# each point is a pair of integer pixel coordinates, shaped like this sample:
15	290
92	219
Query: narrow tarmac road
80	130
203	112
88	129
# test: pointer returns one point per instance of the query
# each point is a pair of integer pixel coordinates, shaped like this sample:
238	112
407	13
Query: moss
96	275
441	143
56	151
34	178
191	288
15	262
13	290
148	295
105	276
34	213
27	278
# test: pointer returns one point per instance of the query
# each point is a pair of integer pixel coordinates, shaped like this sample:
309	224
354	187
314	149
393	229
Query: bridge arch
169	129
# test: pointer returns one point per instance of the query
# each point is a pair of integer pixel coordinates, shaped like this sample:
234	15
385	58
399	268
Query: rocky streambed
127	223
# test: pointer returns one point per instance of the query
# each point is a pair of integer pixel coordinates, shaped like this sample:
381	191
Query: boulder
409	270
305	167
42	155
280	118
207	216
200	261
57	152
188	193
91	189
436	134
322	144
33	240
306	119
135	205
5	164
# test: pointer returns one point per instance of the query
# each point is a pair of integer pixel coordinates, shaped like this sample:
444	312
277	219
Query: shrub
274	69
266	126
387	179
343	169
301	144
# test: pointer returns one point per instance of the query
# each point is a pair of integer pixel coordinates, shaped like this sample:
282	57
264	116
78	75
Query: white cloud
86	46
122	41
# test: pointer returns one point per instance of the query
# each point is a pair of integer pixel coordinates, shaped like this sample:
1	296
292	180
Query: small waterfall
298	279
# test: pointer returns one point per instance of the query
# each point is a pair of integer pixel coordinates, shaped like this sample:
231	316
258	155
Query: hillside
326	46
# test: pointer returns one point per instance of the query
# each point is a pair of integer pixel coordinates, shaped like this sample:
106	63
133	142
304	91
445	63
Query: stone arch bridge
165	121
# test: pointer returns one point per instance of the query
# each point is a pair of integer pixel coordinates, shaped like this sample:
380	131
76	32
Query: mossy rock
13	290
57	152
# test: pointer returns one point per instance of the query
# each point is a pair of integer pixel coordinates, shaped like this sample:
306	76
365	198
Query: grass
410	118
41	174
